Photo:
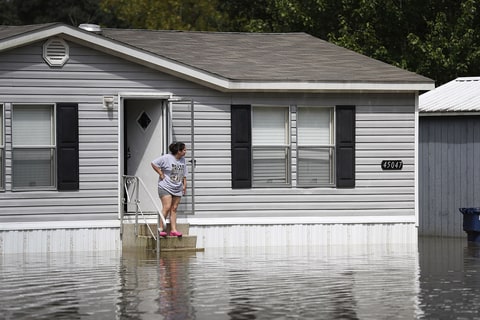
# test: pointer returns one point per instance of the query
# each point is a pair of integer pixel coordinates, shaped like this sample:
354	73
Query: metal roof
459	95
236	61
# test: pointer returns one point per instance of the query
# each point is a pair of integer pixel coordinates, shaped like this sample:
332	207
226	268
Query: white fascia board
297	220
200	76
46	225
330	86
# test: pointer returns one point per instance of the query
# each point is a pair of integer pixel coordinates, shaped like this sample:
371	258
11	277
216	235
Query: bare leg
173	212
166	208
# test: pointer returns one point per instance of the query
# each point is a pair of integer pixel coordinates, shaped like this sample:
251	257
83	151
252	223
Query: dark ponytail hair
176	147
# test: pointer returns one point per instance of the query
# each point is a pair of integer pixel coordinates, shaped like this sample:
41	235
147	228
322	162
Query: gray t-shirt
174	171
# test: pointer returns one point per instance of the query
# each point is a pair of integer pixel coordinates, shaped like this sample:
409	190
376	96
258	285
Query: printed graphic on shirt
177	172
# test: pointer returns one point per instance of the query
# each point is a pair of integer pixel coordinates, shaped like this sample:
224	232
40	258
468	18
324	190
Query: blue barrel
471	223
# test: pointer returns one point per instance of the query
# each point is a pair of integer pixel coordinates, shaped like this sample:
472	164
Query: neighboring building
449	159
287	133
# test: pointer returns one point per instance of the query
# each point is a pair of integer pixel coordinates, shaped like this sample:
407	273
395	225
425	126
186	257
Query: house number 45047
392	164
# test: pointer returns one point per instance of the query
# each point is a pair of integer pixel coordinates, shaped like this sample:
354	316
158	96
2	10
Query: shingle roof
264	56
12	31
459	95
237	61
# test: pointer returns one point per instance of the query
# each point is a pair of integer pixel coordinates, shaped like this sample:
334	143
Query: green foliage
451	46
436	38
71	12
8	13
165	14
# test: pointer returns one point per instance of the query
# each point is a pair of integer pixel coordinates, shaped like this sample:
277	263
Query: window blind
32	126
314	126
269	126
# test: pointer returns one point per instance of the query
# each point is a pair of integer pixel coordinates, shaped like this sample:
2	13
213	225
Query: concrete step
177	244
152	255
145	242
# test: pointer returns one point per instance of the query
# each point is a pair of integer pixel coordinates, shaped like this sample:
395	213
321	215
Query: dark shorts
162	192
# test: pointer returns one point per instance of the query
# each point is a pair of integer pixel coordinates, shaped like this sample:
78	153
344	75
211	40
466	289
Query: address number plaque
392	164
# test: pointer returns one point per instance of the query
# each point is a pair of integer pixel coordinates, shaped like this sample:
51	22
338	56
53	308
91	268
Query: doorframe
122	96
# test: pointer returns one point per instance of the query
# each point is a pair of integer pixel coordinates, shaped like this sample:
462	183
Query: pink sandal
162	234
175	234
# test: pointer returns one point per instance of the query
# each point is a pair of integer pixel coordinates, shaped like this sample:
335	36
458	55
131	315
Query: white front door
145	138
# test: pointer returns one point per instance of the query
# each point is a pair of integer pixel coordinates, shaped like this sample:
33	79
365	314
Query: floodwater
438	279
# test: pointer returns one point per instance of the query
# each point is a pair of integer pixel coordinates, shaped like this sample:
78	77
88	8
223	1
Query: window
270	146
2	149
33	147
315	146
261	151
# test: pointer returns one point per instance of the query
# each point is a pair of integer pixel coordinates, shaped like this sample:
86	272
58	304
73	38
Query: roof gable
237	61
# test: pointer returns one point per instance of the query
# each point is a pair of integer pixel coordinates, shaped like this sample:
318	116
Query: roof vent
55	52
95	28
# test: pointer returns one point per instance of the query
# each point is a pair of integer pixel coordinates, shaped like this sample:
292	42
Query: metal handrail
138	181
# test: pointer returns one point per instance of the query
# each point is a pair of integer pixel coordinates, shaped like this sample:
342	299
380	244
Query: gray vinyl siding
385	130
85	79
449	172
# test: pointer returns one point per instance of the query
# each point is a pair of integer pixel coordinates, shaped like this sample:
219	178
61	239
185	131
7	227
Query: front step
145	241
184	243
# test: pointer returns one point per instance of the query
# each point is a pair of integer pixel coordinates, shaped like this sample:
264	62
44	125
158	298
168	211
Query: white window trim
53	146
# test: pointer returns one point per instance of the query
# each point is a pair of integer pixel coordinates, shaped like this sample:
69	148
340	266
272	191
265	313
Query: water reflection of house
287	132
449	156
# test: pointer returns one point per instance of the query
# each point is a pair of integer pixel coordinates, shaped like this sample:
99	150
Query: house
291	140
449	156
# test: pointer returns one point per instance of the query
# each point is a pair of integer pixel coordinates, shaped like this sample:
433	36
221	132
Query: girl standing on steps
172	183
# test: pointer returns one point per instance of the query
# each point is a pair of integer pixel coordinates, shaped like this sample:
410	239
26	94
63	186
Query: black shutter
241	146
345	140
67	146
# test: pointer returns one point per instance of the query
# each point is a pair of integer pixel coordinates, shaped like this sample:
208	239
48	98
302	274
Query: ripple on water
341	282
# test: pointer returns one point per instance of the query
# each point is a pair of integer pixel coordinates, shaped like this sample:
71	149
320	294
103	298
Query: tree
451	45
166	14
274	15
8	13
436	38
